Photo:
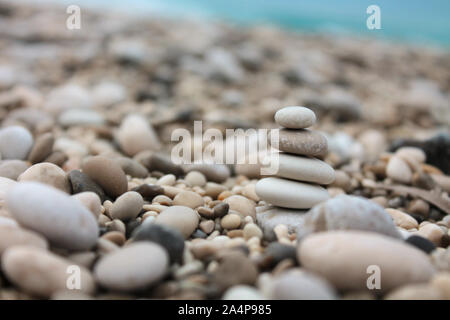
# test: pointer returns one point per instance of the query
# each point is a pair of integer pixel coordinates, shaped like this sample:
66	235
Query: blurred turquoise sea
424	22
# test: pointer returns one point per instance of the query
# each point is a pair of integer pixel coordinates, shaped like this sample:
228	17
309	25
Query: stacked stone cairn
297	183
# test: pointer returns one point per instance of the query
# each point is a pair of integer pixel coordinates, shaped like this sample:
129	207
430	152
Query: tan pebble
42	148
14	235
252	230
91	201
443	181
432	232
171	192
107	173
244	206
402	219
103	219
342	180
419	206
213	189
411	153
167	180
154	207
127	206
105	246
428	168
116	225
281	231
225	194
398	170
189	199
206	212
249	192
47	173
231	221
415	292
441	281
22	265
115	236
238	233
182	218
195	178
162	199
207	226
382	201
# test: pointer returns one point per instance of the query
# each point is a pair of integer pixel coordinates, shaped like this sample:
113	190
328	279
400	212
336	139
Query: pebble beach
87	182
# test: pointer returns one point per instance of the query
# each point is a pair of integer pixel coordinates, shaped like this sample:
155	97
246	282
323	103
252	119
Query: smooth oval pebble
398	170
297	284
189	199
42	148
13	235
80	117
132	167
347	213
107	173
245	207
47	173
343	257
12	169
41	272
290	194
402	219
135	134
127	206
416	154
62	220
136	266
181	218
303	168
15	142
196	178
302	141
295	117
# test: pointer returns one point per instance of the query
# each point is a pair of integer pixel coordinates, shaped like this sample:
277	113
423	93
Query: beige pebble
207	226
231	221
402	219
343	257
411	153
295	117
249	191
23	265
441	281
47	173
167	180
419	206
398	170
116	237
127	206
213	189
107	173
245	207
189	199
182	218
133	267
442	180
91	201
195	178
415	292
432	232
162	199
252	230
14	235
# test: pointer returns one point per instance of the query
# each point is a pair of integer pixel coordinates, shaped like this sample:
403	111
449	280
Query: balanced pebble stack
297	183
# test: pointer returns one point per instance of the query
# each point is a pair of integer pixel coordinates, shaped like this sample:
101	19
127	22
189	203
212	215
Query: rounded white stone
295	117
303	168
15	142
290	194
61	219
